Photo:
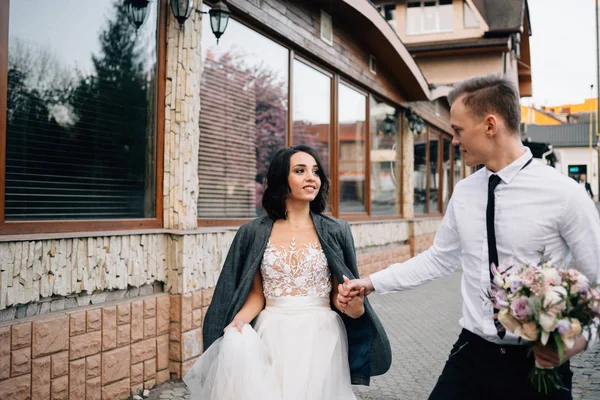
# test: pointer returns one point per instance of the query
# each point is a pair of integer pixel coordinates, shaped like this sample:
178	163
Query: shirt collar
511	170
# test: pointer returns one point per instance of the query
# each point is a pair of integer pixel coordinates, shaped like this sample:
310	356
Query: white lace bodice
295	271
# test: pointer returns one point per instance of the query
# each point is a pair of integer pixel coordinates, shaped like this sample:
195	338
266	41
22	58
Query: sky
69	29
563	51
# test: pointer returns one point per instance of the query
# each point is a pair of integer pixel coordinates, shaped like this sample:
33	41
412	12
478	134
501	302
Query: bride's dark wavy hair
278	188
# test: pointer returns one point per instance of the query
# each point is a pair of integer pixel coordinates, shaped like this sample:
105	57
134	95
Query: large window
81	124
244	106
457	166
434	172
437	170
429	16
420	173
254	102
312	110
385	159
352	111
446	171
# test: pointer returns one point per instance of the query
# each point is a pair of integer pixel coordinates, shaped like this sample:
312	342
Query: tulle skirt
298	351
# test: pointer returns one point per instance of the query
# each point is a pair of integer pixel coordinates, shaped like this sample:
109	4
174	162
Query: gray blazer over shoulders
369	351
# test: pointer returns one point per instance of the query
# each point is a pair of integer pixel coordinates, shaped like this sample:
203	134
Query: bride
282	273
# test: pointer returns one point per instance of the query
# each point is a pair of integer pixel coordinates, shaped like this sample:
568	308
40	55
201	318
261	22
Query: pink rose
520	308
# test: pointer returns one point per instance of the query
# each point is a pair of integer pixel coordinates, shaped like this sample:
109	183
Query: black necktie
491	236
491	240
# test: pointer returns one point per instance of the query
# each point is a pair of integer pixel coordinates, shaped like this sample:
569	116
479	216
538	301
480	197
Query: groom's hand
352	288
547	356
357	284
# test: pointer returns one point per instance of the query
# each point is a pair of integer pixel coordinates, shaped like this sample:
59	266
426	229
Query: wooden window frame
296	54
367	147
428	172
400	184
442	136
423	31
62	226
203	222
333	129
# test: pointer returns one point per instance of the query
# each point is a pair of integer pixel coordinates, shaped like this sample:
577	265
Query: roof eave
389	49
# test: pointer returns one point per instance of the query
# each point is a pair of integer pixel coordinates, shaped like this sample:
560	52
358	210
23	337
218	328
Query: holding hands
351	295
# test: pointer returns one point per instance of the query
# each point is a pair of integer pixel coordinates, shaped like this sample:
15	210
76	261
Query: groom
502	213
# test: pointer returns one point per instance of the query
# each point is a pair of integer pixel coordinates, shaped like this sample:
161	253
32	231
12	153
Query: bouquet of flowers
543	303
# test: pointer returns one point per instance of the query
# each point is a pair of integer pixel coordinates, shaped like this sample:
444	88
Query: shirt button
502	350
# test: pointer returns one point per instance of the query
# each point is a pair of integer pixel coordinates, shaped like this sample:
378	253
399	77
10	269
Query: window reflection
385	159
312	110
434	176
80	132
420	174
447	168
243	98
457	165
352	134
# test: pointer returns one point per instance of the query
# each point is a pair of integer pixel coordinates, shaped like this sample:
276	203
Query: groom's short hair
487	94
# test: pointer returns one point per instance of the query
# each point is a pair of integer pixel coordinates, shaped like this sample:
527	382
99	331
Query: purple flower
520	308
515	285
562	326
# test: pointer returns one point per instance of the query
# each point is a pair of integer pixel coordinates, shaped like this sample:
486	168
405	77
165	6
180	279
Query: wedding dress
298	348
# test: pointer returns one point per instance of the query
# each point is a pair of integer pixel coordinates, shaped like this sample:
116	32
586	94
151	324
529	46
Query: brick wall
185	330
117	349
421	243
107	352
374	261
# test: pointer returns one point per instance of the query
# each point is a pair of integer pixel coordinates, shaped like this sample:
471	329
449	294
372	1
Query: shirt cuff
382	281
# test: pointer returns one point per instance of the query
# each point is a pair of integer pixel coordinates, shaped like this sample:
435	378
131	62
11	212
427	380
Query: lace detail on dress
295	272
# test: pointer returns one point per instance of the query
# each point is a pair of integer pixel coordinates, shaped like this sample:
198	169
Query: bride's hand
356	307
237	324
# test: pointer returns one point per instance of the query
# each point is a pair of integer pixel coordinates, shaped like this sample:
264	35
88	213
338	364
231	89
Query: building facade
453	40
131	152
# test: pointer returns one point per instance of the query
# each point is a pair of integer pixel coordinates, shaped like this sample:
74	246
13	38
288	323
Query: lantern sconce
389	124
137	11
219	15
182	9
219	18
415	123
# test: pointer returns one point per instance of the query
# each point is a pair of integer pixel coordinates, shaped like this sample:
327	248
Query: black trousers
478	369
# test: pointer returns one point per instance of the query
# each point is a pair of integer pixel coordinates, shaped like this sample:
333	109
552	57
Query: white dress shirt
535	207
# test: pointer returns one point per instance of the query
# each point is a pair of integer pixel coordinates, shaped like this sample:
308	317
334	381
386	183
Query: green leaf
559	346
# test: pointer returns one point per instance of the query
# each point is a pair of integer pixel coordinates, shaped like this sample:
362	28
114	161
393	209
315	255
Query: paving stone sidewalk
422	325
